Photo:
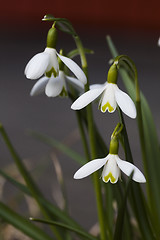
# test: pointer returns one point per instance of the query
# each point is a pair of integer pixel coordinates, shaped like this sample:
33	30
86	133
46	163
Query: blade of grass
58	145
150	140
22	223
62	225
52	209
137	199
27	177
121	212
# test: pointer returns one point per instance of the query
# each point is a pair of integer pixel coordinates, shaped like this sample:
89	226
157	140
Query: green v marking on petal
52	70
109	176
63	92
107	105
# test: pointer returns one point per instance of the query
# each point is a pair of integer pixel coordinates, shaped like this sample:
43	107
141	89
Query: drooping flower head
110	96
112	166
56	86
46	62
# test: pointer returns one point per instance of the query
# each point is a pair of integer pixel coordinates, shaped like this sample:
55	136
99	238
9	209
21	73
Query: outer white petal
89	168
54	86
128	167
37	66
53	61
108	101
93	86
76	83
111	171
125	103
87	98
39	87
74	68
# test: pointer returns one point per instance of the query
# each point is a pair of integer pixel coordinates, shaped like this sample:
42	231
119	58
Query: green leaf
20	186
52	209
75	52
151	146
121	212
22	223
62	23
62	225
58	145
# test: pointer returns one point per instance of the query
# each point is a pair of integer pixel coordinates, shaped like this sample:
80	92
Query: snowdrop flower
110	96
113	165
55	86
159	42
111	170
46	62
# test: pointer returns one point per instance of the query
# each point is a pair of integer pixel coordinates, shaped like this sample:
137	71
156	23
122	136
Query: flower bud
52	38
112	74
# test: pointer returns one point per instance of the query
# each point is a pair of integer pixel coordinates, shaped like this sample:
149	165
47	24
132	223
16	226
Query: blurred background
134	27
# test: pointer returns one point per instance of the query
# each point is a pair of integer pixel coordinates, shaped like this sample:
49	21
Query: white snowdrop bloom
47	63
110	96
55	86
159	42
113	166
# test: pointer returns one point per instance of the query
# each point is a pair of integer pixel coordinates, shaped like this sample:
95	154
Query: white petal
76	83
128	167
74	68
111	171
54	86
125	103
93	86
39	87
53	61
89	168
87	98
37	66
108	101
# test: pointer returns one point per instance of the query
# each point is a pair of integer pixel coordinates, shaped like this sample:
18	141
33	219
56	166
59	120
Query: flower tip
77	176
73	107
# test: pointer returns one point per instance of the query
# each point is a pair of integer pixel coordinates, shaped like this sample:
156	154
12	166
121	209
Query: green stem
92	139
83	136
29	181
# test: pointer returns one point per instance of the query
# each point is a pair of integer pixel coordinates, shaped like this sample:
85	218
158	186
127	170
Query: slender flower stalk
92	138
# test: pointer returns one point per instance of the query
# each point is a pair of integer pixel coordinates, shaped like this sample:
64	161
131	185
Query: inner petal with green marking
52	70
107	105
109	176
63	92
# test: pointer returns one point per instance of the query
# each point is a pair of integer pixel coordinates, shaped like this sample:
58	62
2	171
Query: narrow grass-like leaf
52	209
22	224
62	23
121	212
36	193
75	52
152	151
86	235
137	198
58	145
17	184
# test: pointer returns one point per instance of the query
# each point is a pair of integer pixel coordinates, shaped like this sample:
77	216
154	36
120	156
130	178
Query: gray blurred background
22	36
